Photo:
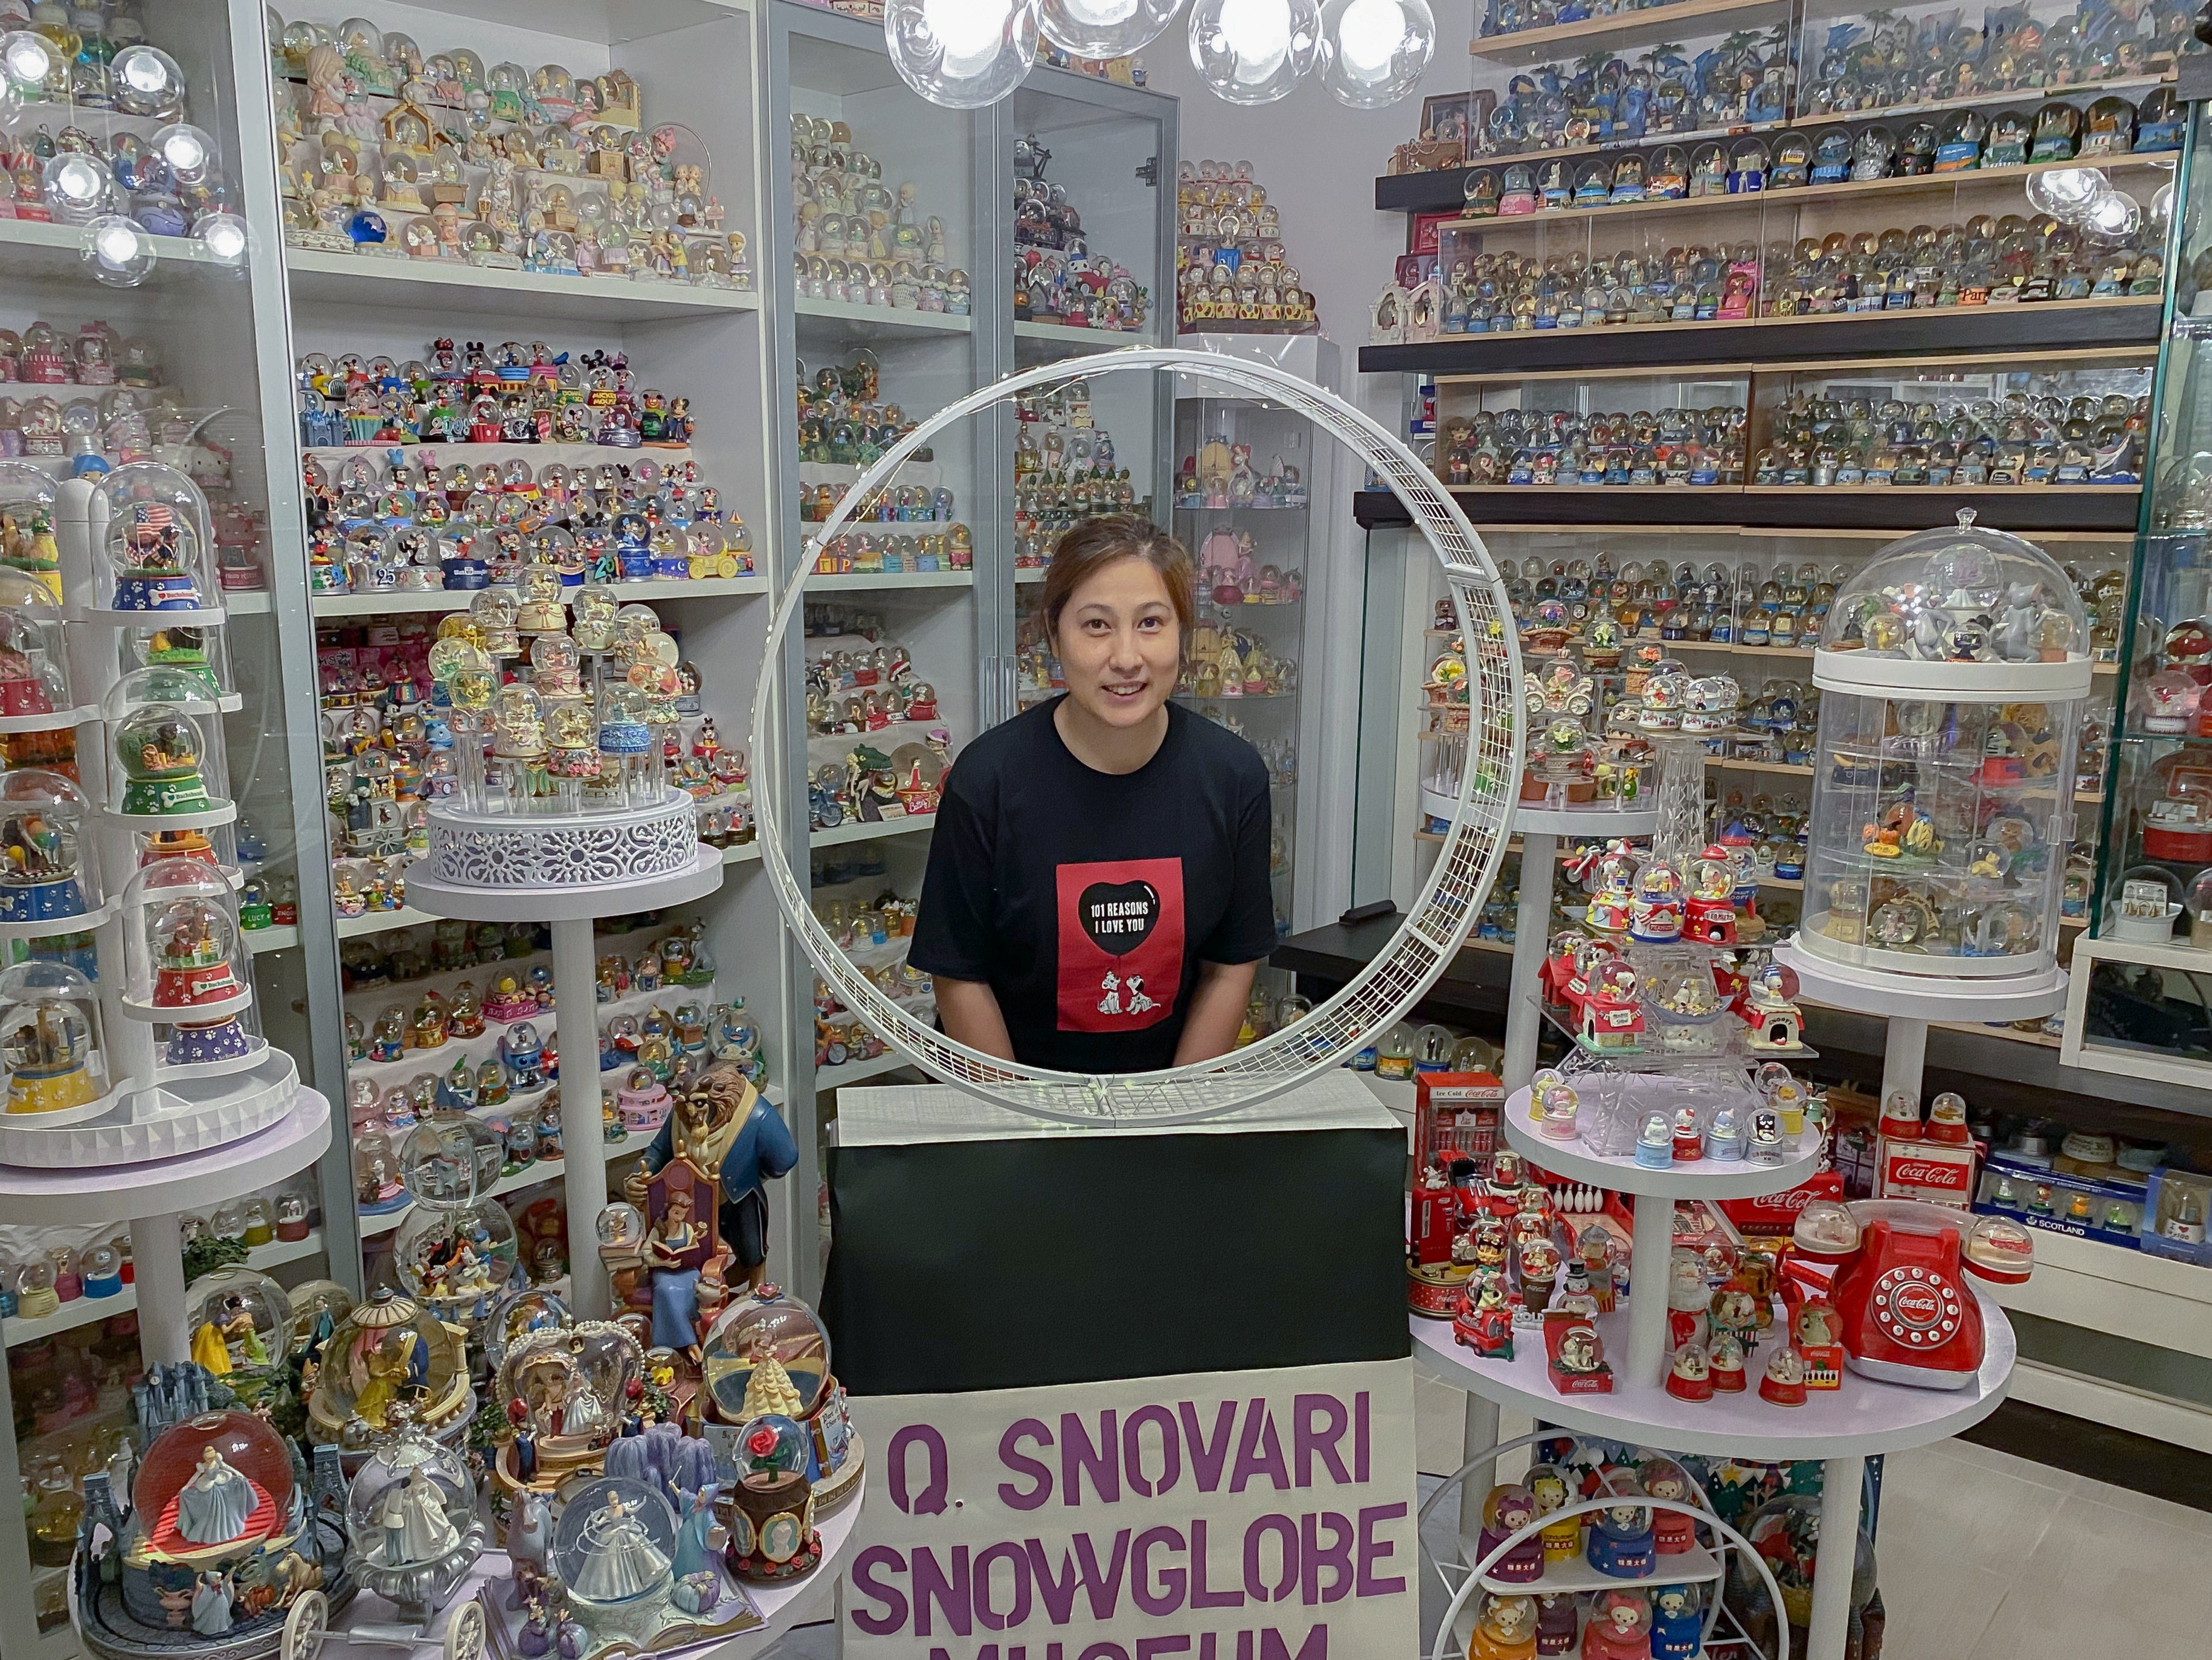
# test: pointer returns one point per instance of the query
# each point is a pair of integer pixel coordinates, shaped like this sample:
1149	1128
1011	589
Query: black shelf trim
2054	507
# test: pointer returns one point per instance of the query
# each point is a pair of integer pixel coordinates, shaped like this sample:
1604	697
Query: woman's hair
1094	544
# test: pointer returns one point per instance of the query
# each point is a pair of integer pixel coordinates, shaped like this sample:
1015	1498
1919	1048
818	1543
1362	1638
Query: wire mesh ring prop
1428	937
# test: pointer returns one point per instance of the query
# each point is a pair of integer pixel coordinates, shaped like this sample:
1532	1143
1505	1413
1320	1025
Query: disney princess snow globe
1953	667
239	1320
413	1527
612	1549
387	1352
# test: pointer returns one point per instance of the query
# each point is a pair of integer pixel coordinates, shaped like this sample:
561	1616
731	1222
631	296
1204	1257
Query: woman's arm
1217	1011
968	1010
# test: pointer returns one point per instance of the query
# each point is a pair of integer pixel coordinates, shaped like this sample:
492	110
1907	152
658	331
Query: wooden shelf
1644	27
2031	326
2110	509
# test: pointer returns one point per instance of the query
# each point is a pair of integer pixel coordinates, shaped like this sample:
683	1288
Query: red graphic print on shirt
1120	943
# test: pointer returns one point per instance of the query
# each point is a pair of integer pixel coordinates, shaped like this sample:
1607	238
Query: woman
1097	896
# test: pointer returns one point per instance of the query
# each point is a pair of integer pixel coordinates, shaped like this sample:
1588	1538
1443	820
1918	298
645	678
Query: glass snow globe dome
155	551
180	1455
46	870
34	683
766	1327
407	1458
51	1047
1953	670
450	1158
387	1352
614	1543
184	959
243	1312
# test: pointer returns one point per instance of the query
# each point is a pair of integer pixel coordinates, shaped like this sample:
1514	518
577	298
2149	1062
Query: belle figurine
671	1258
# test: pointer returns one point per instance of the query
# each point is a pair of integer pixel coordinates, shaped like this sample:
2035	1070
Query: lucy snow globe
1952	667
413	1528
167	757
153	548
47	871
50	1044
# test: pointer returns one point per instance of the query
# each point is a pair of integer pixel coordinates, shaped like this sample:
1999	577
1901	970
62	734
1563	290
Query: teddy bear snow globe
1953	668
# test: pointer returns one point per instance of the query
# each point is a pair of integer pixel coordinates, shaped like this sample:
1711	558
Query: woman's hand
1217	1011
968	1010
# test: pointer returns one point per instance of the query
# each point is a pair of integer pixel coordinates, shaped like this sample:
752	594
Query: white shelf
1690	1566
254	602
1026	573
584	903
567	454
347	279
744	853
1923	997
1699	1178
662	589
1591	823
32	249
270	939
83	1311
858	1072
894	318
529	1175
382	922
1864	1416
1104	340
876	582
855	830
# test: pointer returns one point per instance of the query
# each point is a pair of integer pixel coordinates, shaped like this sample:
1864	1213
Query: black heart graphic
1120	915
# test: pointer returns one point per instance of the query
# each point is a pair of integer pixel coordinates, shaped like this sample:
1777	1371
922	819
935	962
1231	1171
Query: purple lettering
931	1500
1077	1454
1244	1645
1105	1652
1307	1438
949	1591
1205	1462
1172	1581
1010	1454
1132	1463
1149	1646
1260	1450
989	1618
1361	1436
1315	1647
1373	1550
1200	1597
1105	1589
1057	1594
1316	1556
1257	1587
893	1599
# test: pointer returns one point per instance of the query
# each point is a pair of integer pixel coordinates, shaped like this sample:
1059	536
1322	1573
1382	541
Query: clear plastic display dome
166	745
1953	670
450	1158
35	681
185	960
1785	1531
516	1316
767	1326
389	1351
457	1259
50	1044
195	647
28	543
211	1486
412	1503
47	871
154	550
614	1543
1959	595
239	1317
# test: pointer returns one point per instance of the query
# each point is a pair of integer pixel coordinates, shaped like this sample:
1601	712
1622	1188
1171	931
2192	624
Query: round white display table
1645	1359
572	910
1540	830
149	1196
1909	1002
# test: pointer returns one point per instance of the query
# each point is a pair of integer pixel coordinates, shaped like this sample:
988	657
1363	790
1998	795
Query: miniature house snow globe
50	1044
184	964
34	683
154	549
1953	669
47	872
412	1526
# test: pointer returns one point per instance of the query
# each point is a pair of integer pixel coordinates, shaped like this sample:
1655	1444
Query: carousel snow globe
1953	670
413	1530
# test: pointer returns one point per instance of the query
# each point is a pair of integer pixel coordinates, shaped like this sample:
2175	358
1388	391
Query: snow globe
167	750
412	1526
28	495
47	873
1953	669
563	1390
200	648
769	1352
34	686
457	1250
239	1319
185	964
155	549
50	1045
1621	1536
612	1549
772	1534
387	1352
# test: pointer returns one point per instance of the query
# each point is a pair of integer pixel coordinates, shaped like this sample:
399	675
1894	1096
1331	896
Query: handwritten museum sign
1222	1515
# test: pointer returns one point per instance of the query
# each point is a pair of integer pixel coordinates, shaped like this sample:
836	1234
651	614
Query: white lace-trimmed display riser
580	850
183	1115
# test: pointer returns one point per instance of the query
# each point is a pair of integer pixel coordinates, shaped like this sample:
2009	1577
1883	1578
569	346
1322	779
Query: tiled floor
1983	1556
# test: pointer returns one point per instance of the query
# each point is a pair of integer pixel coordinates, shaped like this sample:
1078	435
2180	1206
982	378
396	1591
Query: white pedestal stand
1840	1426
1541	830
572	911
1909	1002
150	1196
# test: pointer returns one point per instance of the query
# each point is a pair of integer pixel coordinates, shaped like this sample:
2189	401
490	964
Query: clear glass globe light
28	60
1103	28
1378	49
2113	216
223	237
1253	51
962	54
2062	191
120	252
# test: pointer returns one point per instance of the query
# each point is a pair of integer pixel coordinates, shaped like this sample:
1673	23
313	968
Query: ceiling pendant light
1253	51
1105	28
964	54
1378	49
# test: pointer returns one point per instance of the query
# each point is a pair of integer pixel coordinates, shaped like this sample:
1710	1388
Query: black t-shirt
1088	899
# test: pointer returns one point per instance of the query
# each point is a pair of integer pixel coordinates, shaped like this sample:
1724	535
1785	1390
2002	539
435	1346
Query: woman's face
1119	643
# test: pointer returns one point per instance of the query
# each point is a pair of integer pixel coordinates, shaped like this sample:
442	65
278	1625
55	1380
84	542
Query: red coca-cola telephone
1906	1312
